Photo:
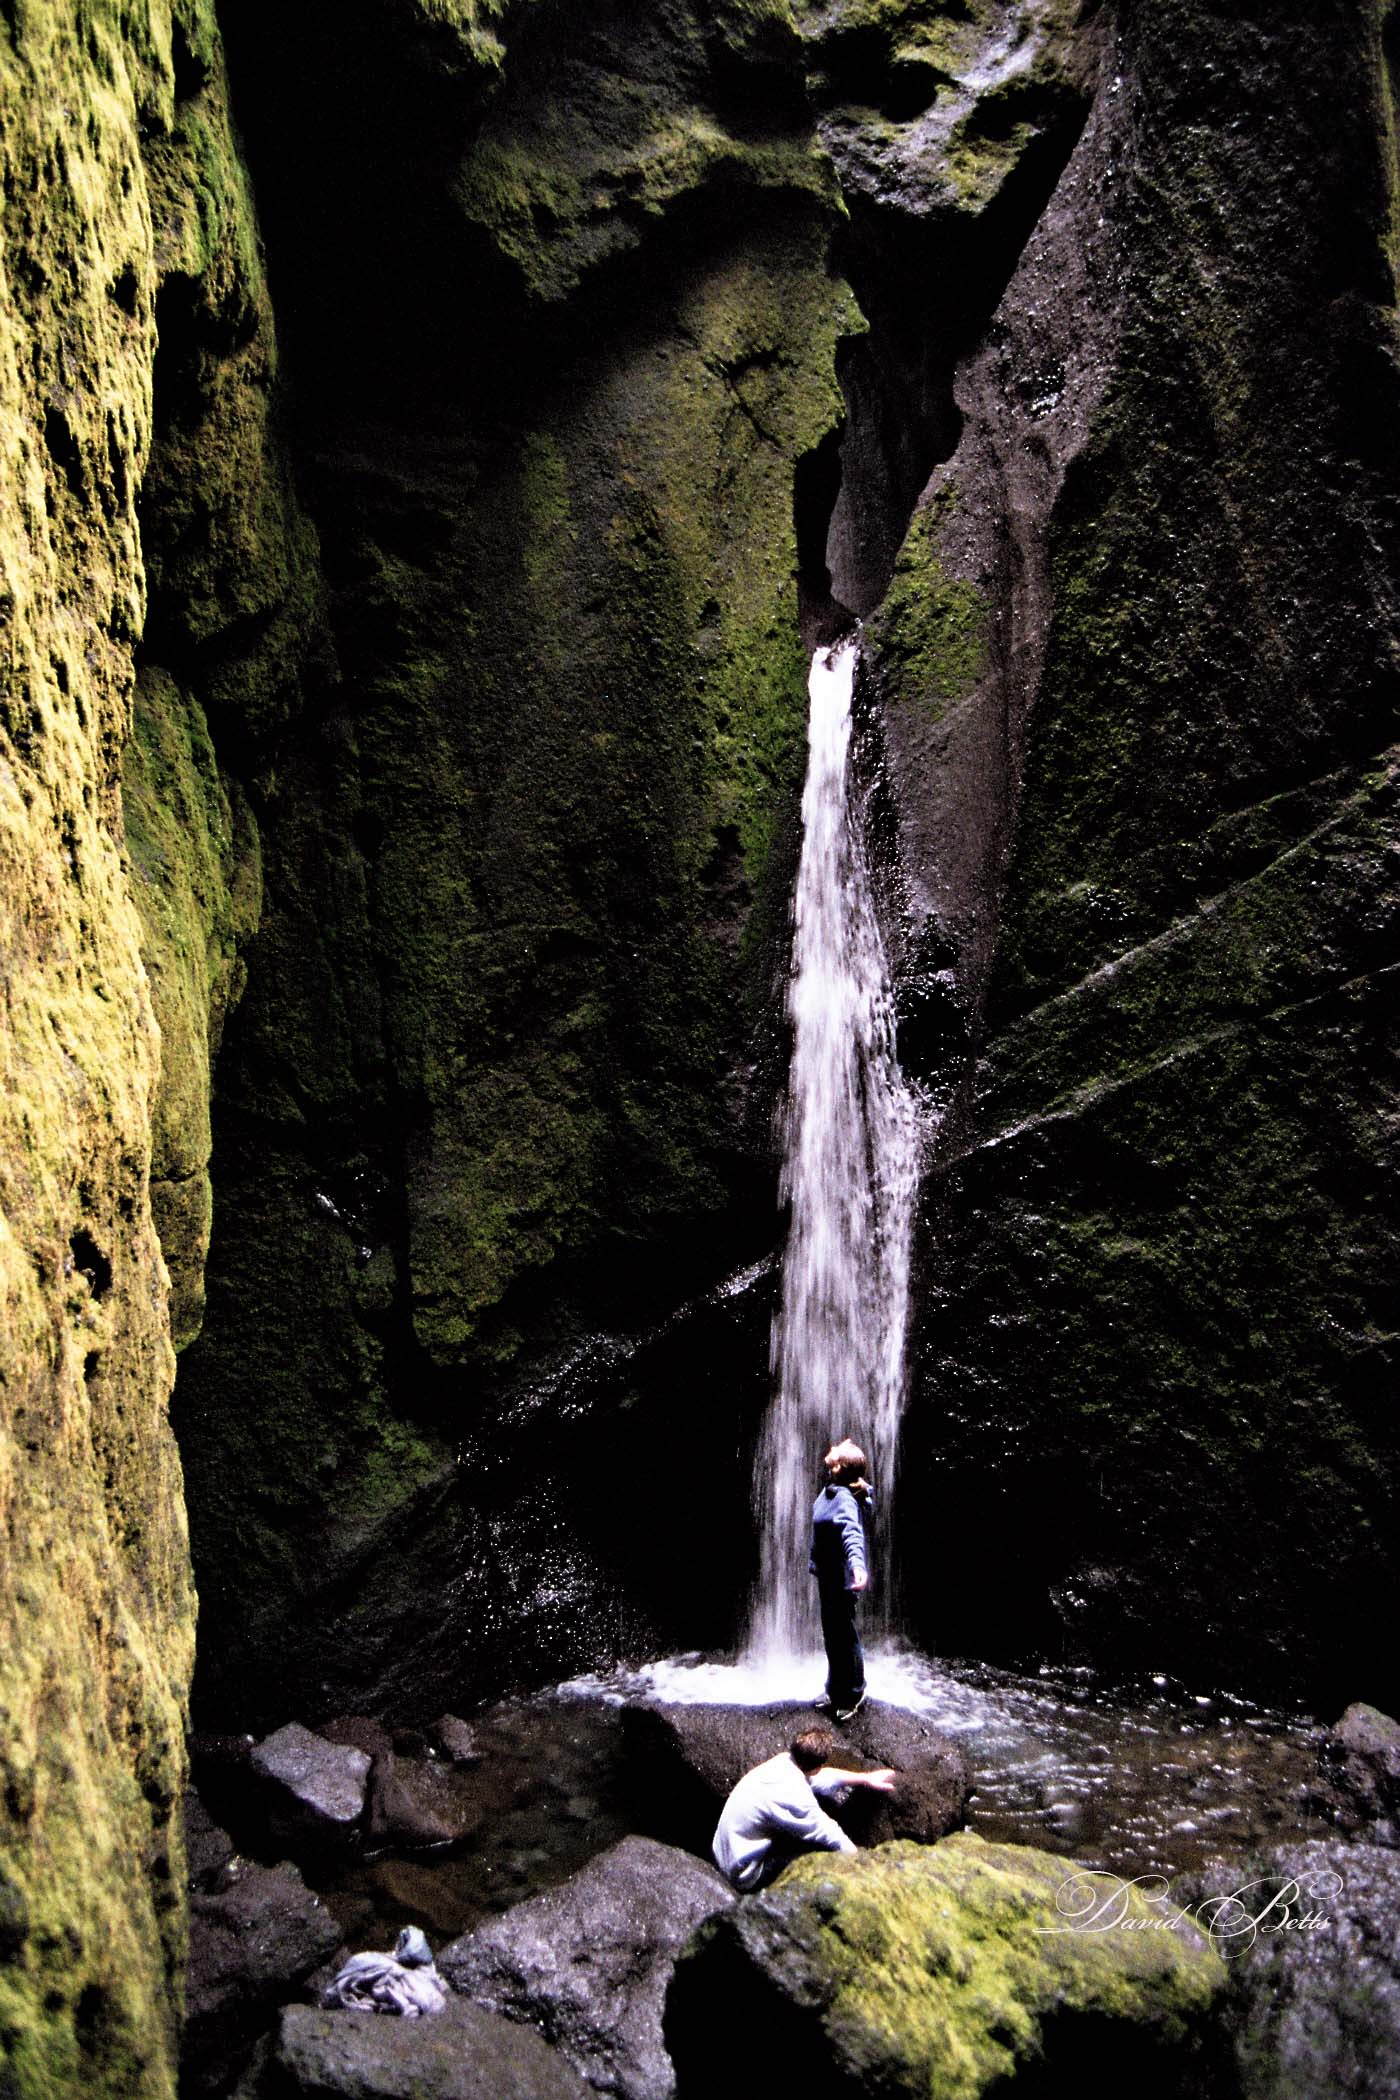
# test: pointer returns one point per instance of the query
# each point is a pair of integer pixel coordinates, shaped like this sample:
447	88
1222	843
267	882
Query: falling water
850	1160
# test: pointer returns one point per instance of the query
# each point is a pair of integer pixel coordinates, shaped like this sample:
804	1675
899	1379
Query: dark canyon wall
1139	675
560	324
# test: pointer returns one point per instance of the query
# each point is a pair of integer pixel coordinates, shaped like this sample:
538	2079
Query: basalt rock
462	2053
588	1963
1310	1933
208	1849
1361	1767
495	1102
925	1969
685	1759
455	1740
134	310
415	1802
314	1792
255	1939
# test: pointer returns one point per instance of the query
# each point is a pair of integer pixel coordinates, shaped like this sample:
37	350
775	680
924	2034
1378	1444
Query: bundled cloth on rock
405	1982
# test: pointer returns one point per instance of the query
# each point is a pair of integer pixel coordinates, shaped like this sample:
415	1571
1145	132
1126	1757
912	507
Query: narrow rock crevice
945	169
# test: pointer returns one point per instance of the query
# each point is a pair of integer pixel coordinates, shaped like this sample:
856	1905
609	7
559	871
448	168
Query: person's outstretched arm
835	1779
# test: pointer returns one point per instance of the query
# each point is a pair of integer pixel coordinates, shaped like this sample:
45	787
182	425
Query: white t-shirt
775	1799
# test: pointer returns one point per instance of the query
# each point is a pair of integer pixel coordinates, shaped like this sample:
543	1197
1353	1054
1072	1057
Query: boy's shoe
848	1713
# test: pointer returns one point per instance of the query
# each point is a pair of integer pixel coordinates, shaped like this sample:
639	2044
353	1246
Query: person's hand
884	1781
858	1582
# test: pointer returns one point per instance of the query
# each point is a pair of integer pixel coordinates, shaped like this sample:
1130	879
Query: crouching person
773	1814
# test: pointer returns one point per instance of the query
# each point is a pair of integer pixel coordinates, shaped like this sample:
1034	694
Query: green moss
476	26
197	877
931	628
561	185
940	1969
561	197
976	164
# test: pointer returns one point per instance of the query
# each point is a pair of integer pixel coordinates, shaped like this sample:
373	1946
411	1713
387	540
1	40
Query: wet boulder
685	1759
455	1741
417	1803
1312	1938
589	1962
358	1732
946	1969
313	1791
464	2053
208	1849
256	1938
1361	1766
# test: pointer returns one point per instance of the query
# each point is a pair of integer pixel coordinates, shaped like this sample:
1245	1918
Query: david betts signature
1094	1901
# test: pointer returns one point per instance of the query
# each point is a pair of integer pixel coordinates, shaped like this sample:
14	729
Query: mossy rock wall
1148	830
503	1075
128	878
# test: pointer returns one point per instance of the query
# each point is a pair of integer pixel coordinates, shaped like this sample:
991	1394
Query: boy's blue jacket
838	1538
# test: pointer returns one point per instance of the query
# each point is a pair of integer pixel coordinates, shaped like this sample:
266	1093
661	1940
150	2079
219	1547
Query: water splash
850	1161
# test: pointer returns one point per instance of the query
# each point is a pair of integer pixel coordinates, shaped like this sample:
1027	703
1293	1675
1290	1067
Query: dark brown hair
810	1750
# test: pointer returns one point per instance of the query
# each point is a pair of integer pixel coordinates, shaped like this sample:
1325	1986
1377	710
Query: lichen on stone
931	628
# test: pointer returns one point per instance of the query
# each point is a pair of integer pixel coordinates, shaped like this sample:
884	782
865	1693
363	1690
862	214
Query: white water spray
850	1162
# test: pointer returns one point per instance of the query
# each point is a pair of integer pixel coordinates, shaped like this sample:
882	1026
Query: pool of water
1151	1778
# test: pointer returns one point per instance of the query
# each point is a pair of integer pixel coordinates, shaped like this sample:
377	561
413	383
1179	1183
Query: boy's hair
851	1461
810	1750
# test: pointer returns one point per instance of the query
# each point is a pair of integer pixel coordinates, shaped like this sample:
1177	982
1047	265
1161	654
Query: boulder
416	1802
1361	1766
686	1759
589	1962
463	2053
208	1849
1314	2003
358	1732
455	1741
314	1791
254	1941
947	1969
415	1892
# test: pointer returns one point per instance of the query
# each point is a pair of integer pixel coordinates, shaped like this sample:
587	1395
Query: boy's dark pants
845	1663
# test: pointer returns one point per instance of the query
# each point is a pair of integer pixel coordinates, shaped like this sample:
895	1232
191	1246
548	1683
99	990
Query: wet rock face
948	130
589	1963
917	1970
1134	676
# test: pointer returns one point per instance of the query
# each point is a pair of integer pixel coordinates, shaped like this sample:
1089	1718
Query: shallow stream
1155	1778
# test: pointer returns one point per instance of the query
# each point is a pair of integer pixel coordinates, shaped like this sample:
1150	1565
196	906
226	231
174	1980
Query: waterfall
850	1159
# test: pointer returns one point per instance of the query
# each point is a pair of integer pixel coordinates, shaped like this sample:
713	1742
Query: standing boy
839	1563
